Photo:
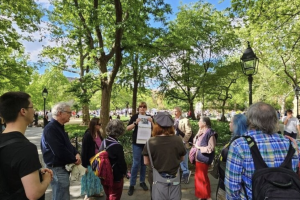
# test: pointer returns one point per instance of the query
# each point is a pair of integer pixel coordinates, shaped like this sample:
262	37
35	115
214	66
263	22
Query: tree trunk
223	118
192	110
105	105
85	114
134	96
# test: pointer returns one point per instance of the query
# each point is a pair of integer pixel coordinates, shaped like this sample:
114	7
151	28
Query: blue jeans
138	163
60	184
184	165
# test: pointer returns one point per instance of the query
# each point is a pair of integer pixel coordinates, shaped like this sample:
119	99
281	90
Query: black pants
293	135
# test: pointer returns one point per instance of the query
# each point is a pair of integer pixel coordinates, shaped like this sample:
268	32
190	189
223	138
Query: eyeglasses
99	124
69	112
142	106
30	107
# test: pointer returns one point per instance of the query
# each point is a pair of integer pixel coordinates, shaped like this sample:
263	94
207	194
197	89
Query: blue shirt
240	167
56	146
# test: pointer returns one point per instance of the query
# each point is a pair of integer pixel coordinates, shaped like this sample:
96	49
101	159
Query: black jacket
88	148
116	158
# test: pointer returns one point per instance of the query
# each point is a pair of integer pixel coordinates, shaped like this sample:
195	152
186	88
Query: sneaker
130	191
144	186
98	195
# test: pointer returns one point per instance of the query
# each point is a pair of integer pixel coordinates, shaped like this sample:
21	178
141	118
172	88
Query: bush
222	128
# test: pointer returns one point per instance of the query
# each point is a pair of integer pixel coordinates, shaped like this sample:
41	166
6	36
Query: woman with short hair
114	129
167	150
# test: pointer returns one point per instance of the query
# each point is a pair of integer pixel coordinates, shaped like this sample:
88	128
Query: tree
197	40
273	29
105	24
56	84
25	16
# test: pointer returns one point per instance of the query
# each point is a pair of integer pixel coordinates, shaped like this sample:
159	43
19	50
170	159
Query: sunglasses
142	106
98	124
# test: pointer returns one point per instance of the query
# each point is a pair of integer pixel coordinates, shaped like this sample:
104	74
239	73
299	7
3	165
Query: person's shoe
144	186
130	191
182	179
98	195
187	179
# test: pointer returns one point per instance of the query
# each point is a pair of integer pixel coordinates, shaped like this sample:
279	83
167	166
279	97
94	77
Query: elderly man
183	129
273	147
21	171
58	151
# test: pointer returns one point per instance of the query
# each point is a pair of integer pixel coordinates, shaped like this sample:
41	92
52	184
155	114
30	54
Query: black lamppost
45	94
249	63
297	91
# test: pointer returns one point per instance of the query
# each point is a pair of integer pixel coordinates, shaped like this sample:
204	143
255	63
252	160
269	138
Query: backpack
4	189
164	188
273	182
101	165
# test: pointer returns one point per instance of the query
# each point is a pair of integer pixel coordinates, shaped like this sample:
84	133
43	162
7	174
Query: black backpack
4	189
273	182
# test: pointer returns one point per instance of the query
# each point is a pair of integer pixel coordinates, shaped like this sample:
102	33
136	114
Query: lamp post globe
45	94
249	64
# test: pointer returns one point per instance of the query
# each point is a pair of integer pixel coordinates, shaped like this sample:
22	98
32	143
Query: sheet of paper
144	121
143	135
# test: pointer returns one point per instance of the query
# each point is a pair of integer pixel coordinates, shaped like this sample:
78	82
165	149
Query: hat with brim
164	119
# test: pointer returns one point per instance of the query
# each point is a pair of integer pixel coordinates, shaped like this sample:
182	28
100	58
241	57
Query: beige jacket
185	126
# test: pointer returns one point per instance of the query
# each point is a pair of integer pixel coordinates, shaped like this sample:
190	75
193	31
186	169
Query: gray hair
262	116
59	107
178	109
115	128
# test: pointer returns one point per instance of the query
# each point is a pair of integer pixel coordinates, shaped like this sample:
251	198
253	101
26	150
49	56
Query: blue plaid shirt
240	167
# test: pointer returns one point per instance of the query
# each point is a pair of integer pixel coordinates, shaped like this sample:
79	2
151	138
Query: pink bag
193	152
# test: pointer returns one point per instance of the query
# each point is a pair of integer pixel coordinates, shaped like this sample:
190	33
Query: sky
34	48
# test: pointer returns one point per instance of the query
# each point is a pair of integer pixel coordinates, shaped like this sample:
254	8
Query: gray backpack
164	188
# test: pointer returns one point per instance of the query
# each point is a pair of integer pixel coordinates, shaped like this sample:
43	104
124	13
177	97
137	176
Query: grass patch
75	130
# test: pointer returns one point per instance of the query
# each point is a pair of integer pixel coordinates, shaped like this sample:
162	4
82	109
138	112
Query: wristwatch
135	123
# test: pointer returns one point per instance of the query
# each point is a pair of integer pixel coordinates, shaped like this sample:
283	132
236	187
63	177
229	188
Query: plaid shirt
240	167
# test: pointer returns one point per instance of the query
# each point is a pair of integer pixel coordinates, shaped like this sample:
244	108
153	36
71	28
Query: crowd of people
26	178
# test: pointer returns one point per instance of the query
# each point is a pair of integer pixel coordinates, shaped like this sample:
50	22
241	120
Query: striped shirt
240	167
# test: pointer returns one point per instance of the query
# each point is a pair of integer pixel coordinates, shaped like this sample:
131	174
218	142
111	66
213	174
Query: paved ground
188	190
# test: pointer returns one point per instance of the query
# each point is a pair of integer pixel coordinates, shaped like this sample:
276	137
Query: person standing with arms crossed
138	160
58	151
183	129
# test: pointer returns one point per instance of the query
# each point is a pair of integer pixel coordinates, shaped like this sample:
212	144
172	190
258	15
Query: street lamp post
45	94
249	63
297	91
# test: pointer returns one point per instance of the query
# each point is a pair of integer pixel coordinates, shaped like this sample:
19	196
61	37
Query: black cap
164	119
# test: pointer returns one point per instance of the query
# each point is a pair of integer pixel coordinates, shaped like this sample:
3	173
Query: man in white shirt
291	124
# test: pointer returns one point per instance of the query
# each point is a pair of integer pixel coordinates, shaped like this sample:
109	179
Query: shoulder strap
259	163
11	141
111	144
149	153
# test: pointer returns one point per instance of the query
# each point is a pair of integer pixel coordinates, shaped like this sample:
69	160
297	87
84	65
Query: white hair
59	107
